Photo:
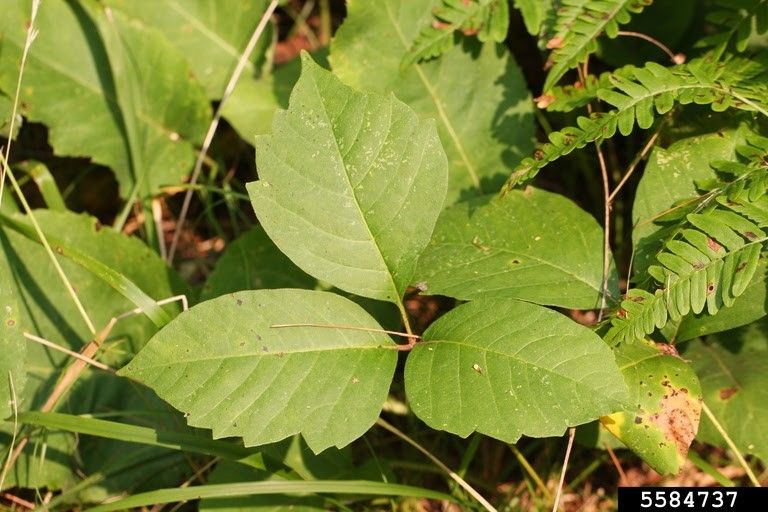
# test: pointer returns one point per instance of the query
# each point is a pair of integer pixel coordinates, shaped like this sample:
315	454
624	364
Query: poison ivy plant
531	245
327	383
508	368
70	86
371	196
485	125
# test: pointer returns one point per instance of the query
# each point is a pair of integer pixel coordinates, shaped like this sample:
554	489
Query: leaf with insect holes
733	369
350	186
531	245
665	406
507	368
225	366
70	86
475	92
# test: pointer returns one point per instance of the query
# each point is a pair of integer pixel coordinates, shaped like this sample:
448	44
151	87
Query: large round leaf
224	365
532	245
474	91
351	185
507	368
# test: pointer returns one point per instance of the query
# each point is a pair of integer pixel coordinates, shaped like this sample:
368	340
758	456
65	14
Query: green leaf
136	434
277	487
669	179
665	398
577	37
350	186
45	309
485	125
752	305
531	245
329	384
252	105
489	19
733	368
507	368
13	348
68	86
534	13
229	473
211	34
253	262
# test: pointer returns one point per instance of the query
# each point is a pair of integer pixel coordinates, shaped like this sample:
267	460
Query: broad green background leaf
474	91
211	34
6	111
255	100
507	368
350	186
253	262
68	86
45	308
733	368
665	400
329	384
532	245
13	348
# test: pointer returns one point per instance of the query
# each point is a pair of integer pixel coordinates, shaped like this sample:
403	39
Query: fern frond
736	18
534	13
708	263
489	19
578	26
640	94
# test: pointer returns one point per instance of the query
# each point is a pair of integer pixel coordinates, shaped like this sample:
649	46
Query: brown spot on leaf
239	302
712	244
750	235
10	322
727	393
544	100
678	418
667	349
554	43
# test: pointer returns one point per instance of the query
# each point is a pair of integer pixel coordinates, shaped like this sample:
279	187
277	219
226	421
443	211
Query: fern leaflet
578	26
736	17
639	94
708	263
489	19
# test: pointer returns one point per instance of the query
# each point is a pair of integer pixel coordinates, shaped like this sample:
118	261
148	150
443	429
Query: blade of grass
437	462
359	487
731	444
43	178
709	469
241	63
113	278
141	435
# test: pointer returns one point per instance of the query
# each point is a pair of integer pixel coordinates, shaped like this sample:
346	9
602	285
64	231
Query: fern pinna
578	25
709	260
639	94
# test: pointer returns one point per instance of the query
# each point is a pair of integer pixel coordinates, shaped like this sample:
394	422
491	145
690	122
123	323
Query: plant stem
531	472
731	445
241	63
437	462
571	436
